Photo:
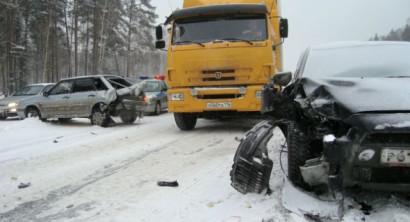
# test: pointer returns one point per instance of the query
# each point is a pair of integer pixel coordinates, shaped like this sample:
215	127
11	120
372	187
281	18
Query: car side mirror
158	32
45	94
282	78
160	44
283	28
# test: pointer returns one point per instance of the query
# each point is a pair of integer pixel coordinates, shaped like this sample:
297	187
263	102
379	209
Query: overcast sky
323	21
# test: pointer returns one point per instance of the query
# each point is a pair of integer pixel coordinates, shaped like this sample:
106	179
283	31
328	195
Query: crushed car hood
341	97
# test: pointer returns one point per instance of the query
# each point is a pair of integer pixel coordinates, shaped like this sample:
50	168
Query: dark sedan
346	116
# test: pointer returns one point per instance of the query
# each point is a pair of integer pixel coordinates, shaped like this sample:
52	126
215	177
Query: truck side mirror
283	28
158	32
282	78
160	44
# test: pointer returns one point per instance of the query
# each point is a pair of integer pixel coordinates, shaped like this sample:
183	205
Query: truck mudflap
252	167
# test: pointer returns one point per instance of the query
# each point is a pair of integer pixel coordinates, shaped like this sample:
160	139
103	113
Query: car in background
155	95
8	105
97	97
345	114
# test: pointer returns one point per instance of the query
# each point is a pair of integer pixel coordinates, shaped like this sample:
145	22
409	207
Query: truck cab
220	54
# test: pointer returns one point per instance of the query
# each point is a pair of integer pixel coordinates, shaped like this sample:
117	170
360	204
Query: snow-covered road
79	172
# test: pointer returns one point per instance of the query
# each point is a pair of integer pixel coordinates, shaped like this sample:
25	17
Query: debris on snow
168	183
24	185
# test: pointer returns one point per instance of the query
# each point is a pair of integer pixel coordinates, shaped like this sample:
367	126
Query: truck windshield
198	30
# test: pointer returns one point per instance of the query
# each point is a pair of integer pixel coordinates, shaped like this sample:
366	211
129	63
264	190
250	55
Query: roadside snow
80	172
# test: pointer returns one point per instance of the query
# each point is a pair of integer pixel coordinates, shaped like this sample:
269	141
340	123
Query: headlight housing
176	96
12	105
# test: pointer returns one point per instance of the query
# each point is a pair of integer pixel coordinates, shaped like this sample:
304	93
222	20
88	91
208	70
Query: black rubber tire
64	120
128	118
157	110
298	153
185	121
99	118
33	112
3	117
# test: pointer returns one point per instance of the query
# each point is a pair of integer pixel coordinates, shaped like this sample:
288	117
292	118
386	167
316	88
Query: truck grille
218	75
387	138
381	175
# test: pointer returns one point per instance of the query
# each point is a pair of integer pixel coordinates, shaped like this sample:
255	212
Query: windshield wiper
237	40
198	43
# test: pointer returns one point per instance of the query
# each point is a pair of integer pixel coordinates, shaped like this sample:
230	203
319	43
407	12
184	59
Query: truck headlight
259	94
366	155
12	105
176	96
242	90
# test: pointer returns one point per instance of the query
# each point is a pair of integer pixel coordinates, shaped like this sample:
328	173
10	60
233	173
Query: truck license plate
218	105
395	157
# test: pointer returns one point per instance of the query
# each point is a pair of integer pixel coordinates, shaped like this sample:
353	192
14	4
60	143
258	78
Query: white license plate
219	105
395	157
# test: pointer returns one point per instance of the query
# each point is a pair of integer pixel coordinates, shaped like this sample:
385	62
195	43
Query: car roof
88	76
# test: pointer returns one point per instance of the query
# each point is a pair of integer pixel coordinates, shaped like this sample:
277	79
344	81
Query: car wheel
99	118
185	121
33	112
157	110
3	117
298	146
128	117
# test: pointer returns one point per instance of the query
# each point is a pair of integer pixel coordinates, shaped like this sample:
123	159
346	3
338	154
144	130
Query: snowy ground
79	172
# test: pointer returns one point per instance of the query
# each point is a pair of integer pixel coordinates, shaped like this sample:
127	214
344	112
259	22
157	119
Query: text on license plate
218	105
395	157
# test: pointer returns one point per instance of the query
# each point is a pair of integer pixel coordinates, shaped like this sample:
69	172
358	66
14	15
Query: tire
185	121
128	117
33	112
157	110
298	153
3	117
99	118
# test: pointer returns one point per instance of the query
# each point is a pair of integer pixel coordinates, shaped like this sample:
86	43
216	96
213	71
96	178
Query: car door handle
92	95
66	97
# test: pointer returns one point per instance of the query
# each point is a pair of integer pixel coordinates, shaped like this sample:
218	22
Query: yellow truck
220	54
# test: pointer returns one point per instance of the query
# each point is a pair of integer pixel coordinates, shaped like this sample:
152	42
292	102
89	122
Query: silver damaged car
97	97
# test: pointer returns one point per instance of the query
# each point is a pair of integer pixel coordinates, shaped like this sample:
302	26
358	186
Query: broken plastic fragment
168	183
24	185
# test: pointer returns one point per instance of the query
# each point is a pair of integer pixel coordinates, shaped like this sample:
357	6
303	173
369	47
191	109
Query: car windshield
151	86
29	91
244	27
372	60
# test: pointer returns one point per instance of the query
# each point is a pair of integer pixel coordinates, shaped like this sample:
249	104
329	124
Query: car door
83	97
55	103
164	98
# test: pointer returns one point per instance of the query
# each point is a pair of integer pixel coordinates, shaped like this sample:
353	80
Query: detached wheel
99	118
298	153
185	121
128	117
157	110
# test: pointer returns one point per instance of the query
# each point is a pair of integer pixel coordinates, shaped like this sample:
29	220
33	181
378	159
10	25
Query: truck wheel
298	146
157	110
185	121
128	117
99	118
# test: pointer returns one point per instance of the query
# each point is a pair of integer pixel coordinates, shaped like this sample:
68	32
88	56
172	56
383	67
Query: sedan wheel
157	110
99	118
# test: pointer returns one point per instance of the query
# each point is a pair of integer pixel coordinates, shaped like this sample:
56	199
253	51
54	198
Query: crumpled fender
252	167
